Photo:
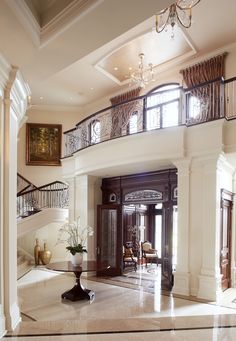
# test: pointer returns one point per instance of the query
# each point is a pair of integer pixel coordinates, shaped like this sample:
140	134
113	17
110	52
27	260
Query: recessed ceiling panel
157	48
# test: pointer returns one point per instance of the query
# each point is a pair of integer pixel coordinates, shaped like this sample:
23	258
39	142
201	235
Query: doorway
146	202
157	224
225	238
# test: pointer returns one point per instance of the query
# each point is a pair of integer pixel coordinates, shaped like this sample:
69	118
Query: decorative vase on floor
45	255
77	259
36	252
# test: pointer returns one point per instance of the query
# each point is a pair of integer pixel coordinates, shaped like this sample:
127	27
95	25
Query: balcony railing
33	200
172	106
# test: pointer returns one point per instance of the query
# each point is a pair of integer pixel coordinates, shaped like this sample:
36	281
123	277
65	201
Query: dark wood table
78	292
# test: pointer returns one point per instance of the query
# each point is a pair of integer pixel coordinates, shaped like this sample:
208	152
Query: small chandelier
180	11
142	75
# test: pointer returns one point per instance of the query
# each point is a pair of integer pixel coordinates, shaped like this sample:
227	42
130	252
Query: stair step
20	259
23	268
24	264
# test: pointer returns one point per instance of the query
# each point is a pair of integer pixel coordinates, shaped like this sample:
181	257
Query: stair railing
52	195
23	184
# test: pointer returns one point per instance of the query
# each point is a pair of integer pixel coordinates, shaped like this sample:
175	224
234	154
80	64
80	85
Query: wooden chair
148	253
128	258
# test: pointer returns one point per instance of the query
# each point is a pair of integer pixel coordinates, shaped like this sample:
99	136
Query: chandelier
180	11
142	75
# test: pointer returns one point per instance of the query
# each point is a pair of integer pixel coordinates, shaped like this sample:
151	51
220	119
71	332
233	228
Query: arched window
163	107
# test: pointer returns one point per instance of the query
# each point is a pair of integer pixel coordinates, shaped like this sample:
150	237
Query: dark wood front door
109	238
225	240
167	248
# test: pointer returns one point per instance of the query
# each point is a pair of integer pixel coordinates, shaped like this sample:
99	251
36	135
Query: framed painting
43	144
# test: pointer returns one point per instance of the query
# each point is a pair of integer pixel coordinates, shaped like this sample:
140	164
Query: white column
71	183
210	278
87	197
181	275
15	104
81	199
11	308
2	316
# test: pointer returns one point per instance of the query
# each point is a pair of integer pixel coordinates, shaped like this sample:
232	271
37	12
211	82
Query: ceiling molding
61	22
162	67
26	18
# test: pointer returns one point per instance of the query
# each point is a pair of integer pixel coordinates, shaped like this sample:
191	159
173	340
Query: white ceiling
70	62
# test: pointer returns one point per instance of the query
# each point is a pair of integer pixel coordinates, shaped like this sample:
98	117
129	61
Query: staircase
24	263
32	199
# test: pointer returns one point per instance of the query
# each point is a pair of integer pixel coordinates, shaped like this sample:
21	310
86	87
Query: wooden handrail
51	195
80	139
41	187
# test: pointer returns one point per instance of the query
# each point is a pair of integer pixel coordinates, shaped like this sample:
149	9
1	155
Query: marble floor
117	312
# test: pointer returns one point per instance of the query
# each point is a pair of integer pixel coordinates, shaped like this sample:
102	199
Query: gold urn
45	255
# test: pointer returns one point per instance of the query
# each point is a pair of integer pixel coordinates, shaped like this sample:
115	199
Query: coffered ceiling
74	52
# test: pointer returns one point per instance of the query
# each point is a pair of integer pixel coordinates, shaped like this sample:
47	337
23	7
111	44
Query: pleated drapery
208	96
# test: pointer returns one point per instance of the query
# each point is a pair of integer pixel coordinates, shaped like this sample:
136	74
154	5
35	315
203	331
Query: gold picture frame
43	144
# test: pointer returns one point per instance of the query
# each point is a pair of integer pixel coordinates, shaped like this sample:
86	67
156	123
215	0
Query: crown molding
26	18
61	22
67	17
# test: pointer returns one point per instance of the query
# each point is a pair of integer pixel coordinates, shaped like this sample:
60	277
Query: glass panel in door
109	238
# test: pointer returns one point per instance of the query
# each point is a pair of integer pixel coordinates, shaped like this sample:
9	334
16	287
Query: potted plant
76	238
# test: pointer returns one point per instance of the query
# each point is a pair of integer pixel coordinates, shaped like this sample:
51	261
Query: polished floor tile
117	312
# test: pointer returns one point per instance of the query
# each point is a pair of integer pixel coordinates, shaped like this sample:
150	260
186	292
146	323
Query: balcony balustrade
166	106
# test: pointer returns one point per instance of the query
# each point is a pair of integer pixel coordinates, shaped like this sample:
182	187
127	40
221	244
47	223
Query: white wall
40	175
47	234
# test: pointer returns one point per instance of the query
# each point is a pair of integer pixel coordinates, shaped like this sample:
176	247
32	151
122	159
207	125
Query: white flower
73	234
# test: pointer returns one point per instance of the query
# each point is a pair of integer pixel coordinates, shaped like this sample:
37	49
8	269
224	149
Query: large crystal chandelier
179	12
142	75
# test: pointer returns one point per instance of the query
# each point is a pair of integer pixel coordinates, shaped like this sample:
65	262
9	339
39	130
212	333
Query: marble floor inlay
117	312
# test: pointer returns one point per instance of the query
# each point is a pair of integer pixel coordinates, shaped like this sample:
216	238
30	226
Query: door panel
109	239
167	249
225	241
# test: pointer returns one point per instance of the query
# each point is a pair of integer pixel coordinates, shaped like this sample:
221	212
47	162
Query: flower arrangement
74	236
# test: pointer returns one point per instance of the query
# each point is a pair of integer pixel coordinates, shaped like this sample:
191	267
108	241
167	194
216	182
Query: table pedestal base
75	294
78	292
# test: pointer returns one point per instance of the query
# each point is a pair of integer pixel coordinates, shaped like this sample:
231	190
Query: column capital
183	165
224	165
207	162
